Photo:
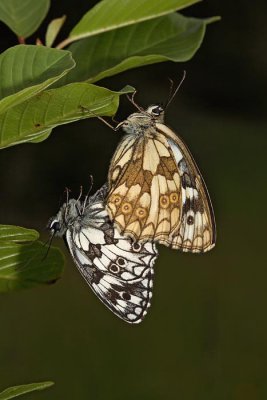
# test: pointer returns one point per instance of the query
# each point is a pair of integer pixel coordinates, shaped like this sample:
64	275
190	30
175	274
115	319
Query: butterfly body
156	191
118	270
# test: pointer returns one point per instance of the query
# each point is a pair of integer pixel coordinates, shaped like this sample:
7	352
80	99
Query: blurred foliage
23	18
16	391
24	261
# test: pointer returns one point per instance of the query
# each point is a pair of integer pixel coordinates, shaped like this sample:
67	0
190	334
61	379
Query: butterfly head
156	112
136	123
66	216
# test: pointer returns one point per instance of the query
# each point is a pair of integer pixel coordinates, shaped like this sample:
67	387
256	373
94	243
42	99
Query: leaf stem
64	43
21	40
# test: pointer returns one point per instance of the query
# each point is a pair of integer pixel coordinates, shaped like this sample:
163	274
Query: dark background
205	335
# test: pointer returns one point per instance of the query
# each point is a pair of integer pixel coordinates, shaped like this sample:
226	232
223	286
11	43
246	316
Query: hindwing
118	270
119	274
197	230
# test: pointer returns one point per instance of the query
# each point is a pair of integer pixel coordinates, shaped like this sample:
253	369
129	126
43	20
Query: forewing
197	231
144	199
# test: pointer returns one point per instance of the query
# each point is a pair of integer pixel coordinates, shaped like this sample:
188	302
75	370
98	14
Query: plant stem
21	40
64	43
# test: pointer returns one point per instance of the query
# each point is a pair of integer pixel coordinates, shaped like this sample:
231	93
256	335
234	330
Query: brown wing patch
145	199
157	192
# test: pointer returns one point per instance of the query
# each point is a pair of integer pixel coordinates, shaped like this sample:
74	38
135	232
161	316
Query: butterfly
156	191
118	270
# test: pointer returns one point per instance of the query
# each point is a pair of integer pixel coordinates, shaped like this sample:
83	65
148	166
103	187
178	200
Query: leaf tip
49	383
127	89
213	19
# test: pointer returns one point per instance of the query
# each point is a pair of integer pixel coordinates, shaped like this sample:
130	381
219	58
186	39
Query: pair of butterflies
155	193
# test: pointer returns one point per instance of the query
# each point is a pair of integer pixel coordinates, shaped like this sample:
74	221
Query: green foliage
109	53
13	233
34	119
15	391
23	17
27	70
22	259
108	15
115	42
53	30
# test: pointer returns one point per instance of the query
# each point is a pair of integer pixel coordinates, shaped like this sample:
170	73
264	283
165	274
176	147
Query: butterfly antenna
67	191
170	92
131	99
173	94
98	117
78	199
81	193
49	242
87	194
106	123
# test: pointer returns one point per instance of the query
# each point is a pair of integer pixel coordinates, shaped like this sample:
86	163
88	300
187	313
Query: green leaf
26	70
53	30
15	391
34	118
23	17
40	137
26	265
173	37
113	14
17	234
24	262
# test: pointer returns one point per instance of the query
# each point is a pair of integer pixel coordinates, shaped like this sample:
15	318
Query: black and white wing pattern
119	270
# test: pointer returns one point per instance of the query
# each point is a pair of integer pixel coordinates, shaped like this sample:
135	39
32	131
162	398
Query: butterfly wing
197	230
119	271
158	194
145	189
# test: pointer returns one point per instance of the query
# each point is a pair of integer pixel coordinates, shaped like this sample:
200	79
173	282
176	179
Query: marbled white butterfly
119	270
156	191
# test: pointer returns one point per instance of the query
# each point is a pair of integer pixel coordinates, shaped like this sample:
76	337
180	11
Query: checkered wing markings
197	230
156	172
120	273
138	184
